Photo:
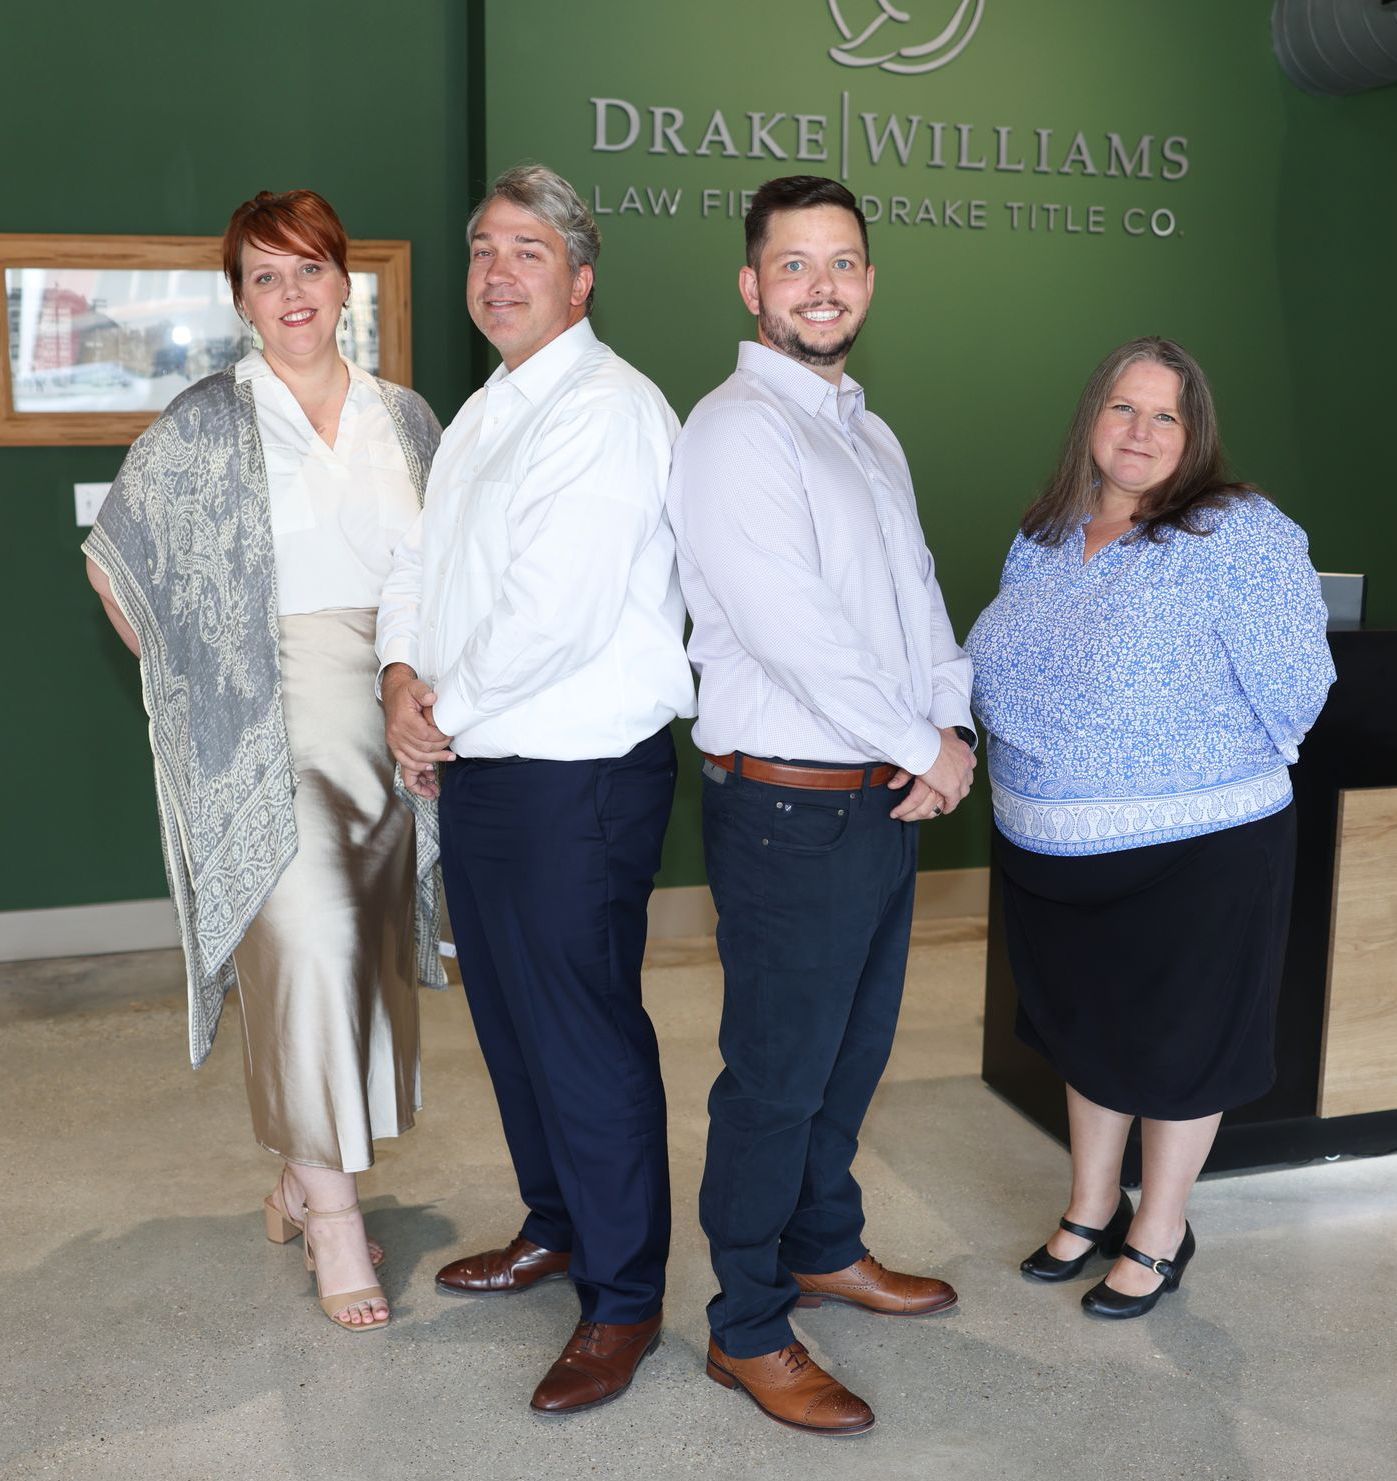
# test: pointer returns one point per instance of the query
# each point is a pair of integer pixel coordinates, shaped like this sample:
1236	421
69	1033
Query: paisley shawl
185	538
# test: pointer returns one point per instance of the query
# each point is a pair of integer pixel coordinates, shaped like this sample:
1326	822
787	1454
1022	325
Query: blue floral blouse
1157	691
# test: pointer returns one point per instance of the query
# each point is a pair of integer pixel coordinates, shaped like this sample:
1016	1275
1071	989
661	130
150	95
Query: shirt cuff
452	710
395	650
917	748
950	709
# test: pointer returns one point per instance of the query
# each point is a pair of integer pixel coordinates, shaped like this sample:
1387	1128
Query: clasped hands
416	743
942	788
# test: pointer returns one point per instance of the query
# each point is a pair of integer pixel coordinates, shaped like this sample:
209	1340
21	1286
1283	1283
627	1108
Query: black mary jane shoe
1102	1300
1108	1241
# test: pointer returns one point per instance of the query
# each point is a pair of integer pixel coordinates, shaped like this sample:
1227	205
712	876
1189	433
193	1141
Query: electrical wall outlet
87	500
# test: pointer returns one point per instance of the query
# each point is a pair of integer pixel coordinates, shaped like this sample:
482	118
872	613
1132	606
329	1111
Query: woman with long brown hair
240	555
1154	657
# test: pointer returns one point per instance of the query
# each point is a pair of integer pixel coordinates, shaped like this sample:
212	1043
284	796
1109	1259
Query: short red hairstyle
294	221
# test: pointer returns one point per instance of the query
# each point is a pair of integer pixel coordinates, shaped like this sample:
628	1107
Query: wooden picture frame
61	343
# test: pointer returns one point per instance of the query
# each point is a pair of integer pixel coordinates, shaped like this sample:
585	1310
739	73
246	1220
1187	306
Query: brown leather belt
816	778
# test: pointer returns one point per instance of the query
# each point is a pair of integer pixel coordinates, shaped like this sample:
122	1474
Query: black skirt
1148	977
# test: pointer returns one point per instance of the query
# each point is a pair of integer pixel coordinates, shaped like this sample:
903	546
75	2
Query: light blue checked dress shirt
819	632
1156	692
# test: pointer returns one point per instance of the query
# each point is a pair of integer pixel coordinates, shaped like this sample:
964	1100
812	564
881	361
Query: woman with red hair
240	555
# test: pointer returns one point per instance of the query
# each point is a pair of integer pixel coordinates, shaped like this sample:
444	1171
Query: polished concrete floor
152	1333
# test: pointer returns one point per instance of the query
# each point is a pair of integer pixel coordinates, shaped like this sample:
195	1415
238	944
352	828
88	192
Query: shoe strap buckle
1166	1268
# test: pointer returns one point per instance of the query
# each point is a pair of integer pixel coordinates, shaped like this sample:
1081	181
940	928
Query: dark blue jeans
548	867
814	891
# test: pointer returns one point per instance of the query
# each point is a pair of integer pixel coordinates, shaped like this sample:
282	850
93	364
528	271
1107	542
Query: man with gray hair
531	637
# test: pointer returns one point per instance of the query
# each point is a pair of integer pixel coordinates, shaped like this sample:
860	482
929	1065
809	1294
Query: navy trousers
814	891
548	867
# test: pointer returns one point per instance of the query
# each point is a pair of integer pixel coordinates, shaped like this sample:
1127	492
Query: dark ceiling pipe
1333	47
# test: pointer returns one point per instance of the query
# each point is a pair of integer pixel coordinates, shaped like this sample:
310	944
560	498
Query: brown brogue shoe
596	1366
868	1284
517	1267
790	1387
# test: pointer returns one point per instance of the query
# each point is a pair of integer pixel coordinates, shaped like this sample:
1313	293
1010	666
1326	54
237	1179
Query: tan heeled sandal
282	1228
338	1301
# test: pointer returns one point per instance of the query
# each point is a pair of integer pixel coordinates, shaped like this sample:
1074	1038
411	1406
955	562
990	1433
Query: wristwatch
967	735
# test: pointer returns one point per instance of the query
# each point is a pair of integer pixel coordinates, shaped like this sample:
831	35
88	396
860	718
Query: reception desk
1336	1028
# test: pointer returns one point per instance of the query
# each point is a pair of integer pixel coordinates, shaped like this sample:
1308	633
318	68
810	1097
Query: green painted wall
1278	276
159	117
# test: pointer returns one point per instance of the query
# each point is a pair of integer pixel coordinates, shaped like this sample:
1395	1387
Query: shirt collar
796	382
543	370
251	367
360	377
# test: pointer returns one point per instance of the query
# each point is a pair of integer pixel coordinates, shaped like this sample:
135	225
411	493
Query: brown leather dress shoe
868	1284
517	1267
790	1387
596	1366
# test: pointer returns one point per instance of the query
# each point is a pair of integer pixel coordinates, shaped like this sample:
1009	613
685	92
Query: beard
782	334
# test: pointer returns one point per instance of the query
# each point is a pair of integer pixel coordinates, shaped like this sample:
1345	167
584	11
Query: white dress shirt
337	512
537	592
819	629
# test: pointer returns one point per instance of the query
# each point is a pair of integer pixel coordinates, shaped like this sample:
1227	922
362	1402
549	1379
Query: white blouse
337	513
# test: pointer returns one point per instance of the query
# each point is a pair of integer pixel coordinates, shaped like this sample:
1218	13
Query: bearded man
834	715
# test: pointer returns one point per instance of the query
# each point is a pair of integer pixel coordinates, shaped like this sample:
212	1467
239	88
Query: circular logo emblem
876	44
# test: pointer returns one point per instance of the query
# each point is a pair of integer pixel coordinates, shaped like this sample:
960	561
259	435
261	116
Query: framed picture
101	333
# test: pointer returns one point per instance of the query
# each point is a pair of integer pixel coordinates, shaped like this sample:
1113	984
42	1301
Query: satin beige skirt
325	971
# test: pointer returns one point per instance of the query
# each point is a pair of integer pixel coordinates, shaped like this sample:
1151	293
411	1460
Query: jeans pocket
801	827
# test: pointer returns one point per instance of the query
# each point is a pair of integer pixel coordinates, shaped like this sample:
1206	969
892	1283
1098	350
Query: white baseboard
942	893
688	910
146	925
87	930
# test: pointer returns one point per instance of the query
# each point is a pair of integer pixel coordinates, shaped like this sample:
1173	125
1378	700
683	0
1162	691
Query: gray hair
545	194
